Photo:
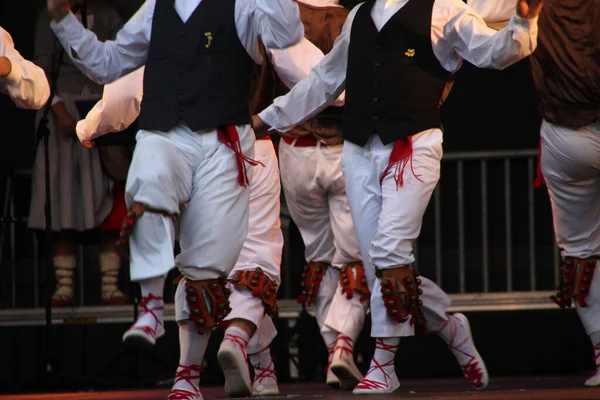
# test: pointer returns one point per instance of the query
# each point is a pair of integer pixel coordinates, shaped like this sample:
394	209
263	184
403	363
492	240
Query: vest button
378	47
375	99
375	117
377	64
375	82
182	33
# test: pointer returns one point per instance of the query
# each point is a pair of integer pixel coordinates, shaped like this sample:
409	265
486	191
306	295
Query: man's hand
58	9
5	67
529	8
66	123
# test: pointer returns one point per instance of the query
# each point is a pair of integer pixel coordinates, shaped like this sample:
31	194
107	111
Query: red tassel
230	138
539	179
401	155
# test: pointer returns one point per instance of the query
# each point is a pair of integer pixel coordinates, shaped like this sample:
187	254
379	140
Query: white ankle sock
192	348
152	285
153	289
262	359
385	349
382	365
454	334
235	331
344	345
329	337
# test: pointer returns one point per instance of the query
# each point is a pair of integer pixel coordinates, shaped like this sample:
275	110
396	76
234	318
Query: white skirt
81	192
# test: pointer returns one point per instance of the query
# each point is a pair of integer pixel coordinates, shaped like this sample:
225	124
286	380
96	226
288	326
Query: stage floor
521	388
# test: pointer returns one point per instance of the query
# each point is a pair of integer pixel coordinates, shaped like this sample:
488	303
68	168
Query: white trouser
315	193
170	169
390	220
263	245
570	161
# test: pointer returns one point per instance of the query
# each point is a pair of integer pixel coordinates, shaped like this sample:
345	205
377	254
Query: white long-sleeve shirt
495	13
457	33
276	22
26	84
121	100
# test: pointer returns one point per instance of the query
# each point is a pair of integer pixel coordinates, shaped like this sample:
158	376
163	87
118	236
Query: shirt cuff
14	76
526	24
67	27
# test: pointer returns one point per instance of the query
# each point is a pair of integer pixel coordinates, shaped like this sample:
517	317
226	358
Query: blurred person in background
87	186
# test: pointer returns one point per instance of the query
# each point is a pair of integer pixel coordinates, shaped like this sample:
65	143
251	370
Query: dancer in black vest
23	81
566	74
396	59
193	146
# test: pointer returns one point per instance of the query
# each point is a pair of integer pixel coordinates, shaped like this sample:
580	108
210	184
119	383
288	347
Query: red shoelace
146	310
186	373
369	384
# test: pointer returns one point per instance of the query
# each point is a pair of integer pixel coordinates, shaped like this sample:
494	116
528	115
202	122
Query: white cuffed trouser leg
307	199
210	242
390	218
264	243
570	161
262	249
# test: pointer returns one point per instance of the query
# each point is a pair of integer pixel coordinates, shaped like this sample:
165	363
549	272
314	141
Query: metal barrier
432	251
483	161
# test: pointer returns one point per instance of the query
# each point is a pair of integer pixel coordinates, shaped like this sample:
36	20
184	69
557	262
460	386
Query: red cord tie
185	373
230	138
369	384
238	341
146	310
400	157
471	370
329	358
265	373
346	348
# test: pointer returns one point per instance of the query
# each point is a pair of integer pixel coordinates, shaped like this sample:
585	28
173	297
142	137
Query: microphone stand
49	374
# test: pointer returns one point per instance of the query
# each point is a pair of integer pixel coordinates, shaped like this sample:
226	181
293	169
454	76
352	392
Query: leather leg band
576	277
261	286
400	290
136	211
352	278
311	280
208	301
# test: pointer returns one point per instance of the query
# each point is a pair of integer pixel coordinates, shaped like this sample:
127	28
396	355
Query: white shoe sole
348	378
269	392
466	324
138	338
235	384
375	391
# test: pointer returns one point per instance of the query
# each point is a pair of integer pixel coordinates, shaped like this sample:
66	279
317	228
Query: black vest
197	72
566	63
394	82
